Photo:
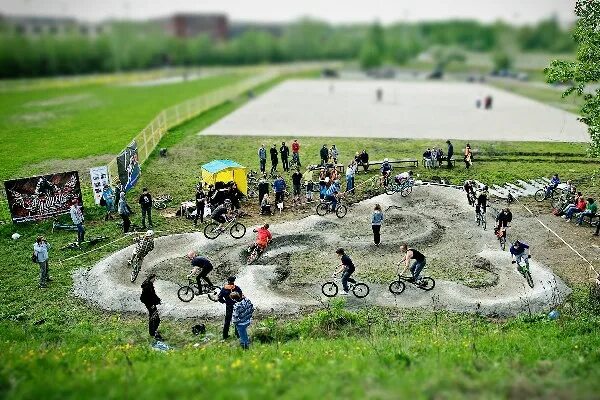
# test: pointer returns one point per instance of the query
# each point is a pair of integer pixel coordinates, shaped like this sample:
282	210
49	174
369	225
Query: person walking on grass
285	153
450	153
124	212
376	220
146	205
40	252
225	298
468	156
242	317
262	158
151	300
77	218
274	158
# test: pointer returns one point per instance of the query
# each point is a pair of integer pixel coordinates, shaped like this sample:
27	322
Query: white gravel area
447	232
427	110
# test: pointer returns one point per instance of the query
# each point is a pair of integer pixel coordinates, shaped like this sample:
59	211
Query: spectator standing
285	153
310	186
449	153
124	212
468	156
274	158
364	159
427	158
225	298
296	151
77	218
296	184
439	155
108	195
263	189
324	154
376	220
200	202
334	154
350	172
40	251
279	187
242	317
151	300
433	157
262	158
146	205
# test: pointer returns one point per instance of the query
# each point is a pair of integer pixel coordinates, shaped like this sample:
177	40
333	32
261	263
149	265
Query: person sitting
402	177
554	182
265	205
577	206
263	238
427	158
590	211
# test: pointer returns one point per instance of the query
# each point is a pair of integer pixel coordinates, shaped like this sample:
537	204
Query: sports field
419	110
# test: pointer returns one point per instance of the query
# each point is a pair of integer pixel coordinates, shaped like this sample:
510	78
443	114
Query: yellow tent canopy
225	171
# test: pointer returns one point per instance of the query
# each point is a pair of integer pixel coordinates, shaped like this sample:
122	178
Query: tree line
127	46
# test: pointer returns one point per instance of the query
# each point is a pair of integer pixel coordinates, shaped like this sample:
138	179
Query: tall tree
585	69
373	49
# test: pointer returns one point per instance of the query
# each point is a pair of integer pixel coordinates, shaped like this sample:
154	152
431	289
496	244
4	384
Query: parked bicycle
236	229
524	270
91	242
359	289
326	206
424	283
187	292
56	225
160	202
405	188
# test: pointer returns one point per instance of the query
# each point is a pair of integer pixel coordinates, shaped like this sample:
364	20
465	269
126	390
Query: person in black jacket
225	299
274	159
146	205
450	153
200	201
151	300
285	153
364	159
324	154
263	188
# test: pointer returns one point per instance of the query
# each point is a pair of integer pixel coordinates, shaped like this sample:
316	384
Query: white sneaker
343	293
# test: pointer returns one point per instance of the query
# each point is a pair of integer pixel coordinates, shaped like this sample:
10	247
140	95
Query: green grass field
55	346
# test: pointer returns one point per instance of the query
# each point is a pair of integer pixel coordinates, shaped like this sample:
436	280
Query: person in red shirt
263	237
296	152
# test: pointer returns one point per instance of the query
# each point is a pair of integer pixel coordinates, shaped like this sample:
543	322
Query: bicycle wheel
329	289
252	257
483	222
322	209
391	189
185	294
135	269
341	211
397	287
503	243
529	278
360	290
238	230
540	195
426	284
211	231
406	190
160	205
557	194
213	294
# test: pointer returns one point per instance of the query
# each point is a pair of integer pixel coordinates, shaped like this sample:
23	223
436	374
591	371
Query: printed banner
99	176
41	197
128	166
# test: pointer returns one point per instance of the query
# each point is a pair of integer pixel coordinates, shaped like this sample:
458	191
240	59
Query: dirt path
471	272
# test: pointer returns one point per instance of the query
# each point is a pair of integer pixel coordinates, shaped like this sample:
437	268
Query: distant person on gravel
146	206
263	238
262	158
124	212
225	298
151	300
347	268
482	199
201	267
386	170
469	188
376	221
40	252
144	245
242	317
504	218
285	153
274	158
418	265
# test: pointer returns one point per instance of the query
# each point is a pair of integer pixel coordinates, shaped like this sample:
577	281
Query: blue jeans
243	332
570	211
346	278
584	214
333	201
80	233
416	269
549	190
522	258
349	183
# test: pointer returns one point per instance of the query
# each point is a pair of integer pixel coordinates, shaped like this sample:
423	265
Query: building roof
219	165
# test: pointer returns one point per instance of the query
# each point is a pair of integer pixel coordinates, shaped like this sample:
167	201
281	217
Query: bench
444	161
406	161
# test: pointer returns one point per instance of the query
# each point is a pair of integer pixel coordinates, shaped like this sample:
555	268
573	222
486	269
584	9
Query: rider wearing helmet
201	267
520	252
221	212
482	198
470	191
144	245
263	237
402	177
386	170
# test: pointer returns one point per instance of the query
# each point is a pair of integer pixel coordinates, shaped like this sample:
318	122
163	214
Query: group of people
329	155
209	198
575	205
275	154
122	207
434	157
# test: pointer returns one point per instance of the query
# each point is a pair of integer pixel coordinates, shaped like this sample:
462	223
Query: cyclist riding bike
144	245
403	177
502	220
554	182
347	266
482	199
418	265
201	267
386	170
332	194
520	252
263	238
221	213
469	188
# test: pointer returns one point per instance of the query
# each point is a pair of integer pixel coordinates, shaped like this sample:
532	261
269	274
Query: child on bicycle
201	267
333	193
144	245
347	267
520	252
554	182
263	238
418	265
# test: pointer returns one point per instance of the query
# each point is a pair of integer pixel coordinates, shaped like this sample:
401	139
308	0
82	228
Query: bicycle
426	283
405	188
325	206
555	194
136	265
524	270
501	234
91	242
480	217
160	202
255	253
237	230
56	225
187	292
359	289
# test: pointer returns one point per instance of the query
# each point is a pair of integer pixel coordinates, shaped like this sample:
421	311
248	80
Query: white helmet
385	160
149	232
